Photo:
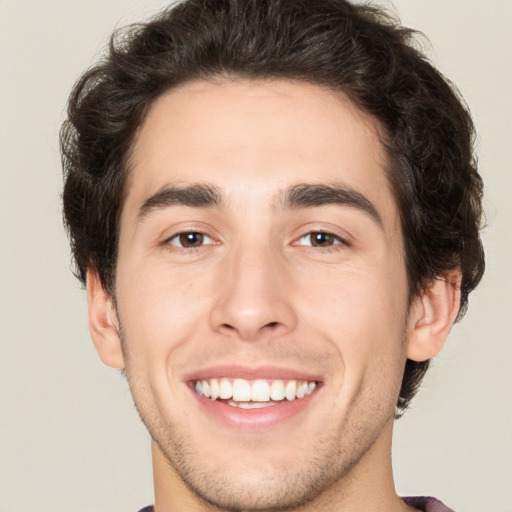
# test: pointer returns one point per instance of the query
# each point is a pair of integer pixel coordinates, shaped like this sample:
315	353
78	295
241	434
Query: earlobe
432	316
103	322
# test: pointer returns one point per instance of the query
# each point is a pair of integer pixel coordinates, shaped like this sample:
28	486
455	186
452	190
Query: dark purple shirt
423	503
427	504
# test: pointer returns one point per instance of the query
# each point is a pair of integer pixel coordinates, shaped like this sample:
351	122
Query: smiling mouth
255	394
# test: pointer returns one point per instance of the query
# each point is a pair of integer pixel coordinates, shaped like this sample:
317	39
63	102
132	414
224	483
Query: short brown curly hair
359	50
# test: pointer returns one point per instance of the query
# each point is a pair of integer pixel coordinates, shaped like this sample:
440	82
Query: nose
254	299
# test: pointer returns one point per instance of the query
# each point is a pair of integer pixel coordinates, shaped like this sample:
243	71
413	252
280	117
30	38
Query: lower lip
253	419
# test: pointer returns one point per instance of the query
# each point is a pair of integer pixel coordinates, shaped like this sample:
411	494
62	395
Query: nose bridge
252	300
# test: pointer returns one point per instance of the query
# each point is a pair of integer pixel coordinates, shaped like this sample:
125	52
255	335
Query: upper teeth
260	390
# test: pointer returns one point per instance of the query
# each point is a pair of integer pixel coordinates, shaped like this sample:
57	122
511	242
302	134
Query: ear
432	316
103	322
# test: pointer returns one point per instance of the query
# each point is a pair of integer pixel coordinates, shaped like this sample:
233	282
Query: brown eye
190	239
320	239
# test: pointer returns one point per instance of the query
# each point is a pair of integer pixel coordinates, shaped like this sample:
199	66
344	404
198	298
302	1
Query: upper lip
268	372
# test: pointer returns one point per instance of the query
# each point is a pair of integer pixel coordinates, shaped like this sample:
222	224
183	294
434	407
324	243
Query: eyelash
337	244
178	236
333	246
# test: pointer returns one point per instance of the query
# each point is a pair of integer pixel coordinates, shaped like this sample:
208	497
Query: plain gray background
70	439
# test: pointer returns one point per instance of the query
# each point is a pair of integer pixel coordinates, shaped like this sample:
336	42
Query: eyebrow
196	196
314	195
206	195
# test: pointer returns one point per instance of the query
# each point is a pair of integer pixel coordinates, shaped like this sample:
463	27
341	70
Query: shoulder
427	504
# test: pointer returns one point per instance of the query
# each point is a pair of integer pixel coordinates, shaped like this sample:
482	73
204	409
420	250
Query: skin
256	292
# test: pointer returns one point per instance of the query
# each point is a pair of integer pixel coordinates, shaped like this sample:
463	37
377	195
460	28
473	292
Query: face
261	291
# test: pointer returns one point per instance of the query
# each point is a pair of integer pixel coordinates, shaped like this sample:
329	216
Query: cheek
160	308
361	312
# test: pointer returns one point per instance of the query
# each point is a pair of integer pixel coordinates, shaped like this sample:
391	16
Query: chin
261	482
257	490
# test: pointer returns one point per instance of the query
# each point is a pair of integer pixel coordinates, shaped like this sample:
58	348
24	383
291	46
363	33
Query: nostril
272	324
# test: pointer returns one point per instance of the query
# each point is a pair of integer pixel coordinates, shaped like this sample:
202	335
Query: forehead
253	139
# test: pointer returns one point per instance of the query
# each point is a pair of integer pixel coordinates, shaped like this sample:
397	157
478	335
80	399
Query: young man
275	209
